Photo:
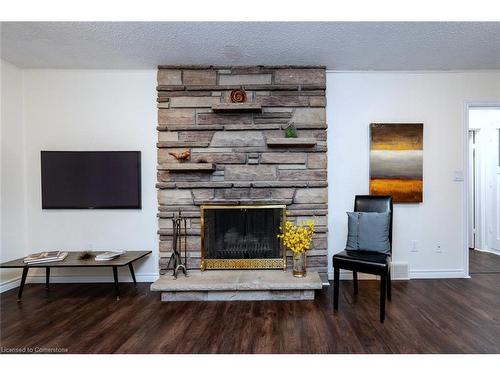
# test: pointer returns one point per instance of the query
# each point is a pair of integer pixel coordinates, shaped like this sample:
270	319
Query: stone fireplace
224	163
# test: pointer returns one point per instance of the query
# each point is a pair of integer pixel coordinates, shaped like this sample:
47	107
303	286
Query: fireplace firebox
242	237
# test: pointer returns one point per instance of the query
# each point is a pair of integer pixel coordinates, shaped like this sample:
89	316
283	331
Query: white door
484	124
492	177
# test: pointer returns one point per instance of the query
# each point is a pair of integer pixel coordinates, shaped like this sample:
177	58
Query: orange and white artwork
396	161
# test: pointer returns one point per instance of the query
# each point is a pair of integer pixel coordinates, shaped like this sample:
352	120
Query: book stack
108	255
45	257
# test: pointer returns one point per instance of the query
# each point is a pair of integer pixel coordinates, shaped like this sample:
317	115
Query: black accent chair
367	261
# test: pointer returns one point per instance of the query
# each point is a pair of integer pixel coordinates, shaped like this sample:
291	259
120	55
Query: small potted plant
298	239
290	131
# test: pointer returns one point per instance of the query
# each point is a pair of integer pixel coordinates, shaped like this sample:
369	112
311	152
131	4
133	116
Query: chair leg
336	281
383	288
389	287
355	281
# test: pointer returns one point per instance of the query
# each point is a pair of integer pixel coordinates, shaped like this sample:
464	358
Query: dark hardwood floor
425	316
483	262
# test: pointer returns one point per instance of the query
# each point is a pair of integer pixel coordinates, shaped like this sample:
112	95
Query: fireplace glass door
243	237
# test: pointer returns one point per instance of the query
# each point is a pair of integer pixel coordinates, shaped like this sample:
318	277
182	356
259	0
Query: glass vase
299	264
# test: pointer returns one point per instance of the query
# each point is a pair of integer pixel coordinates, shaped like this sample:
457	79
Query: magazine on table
46	257
109	255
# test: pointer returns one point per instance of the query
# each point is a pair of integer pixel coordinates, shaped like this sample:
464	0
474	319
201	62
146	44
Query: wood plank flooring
483	262
425	316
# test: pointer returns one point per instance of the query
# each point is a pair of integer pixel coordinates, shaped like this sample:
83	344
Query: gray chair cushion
368	231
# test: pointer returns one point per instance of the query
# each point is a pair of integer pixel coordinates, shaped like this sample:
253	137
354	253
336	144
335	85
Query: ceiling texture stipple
337	45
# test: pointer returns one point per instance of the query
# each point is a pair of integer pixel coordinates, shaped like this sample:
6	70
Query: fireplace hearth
242	237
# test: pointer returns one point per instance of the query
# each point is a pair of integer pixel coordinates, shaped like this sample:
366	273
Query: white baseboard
399	272
439	274
10	284
67	279
415	274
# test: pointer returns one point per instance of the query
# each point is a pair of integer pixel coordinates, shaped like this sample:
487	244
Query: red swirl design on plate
238	96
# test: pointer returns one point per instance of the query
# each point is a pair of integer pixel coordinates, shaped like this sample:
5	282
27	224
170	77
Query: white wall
438	100
12	186
114	110
91	110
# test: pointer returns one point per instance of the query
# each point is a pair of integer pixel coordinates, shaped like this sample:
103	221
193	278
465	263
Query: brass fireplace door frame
221	264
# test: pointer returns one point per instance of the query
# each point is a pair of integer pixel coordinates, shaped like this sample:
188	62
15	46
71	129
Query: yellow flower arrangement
298	238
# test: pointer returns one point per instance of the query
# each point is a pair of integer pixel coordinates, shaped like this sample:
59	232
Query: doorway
484	189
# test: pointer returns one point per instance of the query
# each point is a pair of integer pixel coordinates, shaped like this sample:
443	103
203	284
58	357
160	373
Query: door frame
489	103
474	184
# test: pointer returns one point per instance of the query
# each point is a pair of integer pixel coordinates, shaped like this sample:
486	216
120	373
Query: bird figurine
181	156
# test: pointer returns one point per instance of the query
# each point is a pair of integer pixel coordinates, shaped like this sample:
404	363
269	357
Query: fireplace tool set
179	238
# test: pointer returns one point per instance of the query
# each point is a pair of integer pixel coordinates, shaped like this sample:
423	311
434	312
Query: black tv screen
91	179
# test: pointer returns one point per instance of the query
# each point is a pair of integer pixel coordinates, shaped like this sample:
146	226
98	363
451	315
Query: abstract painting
396	161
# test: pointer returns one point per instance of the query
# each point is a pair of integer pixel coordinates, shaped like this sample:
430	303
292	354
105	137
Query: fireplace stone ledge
240	295
241	285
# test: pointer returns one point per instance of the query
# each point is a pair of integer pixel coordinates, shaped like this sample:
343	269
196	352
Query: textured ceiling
338	45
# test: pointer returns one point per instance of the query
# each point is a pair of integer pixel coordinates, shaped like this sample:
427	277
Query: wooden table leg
131	268
23	281
115	276
47	277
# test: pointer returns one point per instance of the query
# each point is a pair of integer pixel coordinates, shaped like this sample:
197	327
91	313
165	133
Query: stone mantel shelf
249	87
236	107
187	167
291	142
253	67
177	144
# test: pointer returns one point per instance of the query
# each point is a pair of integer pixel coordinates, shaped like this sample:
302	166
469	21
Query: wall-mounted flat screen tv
91	179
